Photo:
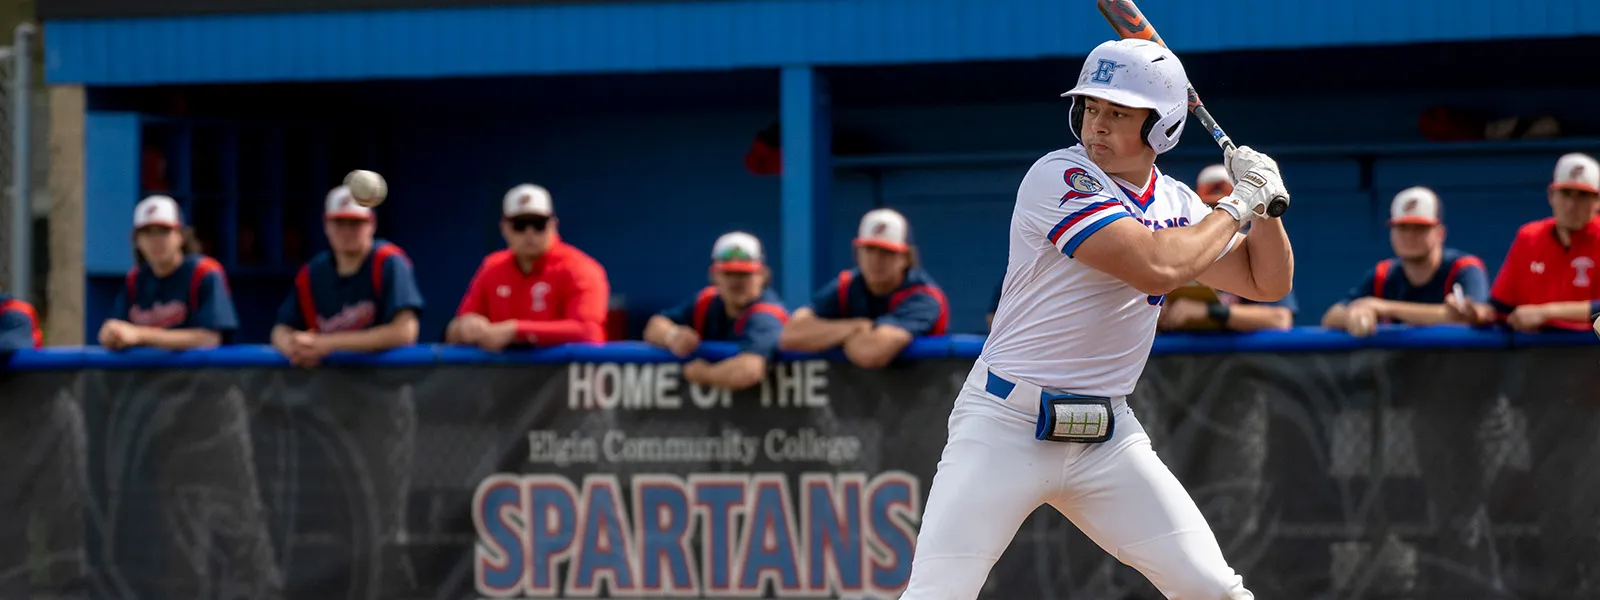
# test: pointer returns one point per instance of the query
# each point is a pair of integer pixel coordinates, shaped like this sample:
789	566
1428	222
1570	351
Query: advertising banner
1374	473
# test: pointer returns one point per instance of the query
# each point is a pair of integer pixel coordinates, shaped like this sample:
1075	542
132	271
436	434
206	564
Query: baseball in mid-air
1597	326
367	188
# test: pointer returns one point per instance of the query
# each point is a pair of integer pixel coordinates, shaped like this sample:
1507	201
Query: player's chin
1107	155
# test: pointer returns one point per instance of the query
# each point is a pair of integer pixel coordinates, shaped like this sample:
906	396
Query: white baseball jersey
1063	324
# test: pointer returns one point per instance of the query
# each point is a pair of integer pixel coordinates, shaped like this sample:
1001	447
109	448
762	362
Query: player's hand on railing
497	336
1528	318
1361	317
682	341
306	349
1178	313
117	334
470	328
1464	310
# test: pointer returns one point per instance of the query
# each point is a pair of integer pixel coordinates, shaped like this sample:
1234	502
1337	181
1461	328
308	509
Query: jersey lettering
353	317
1063	323
171	313
1582	264
539	291
161	315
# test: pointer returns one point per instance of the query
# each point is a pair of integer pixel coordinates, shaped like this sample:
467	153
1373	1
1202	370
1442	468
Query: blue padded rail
1305	339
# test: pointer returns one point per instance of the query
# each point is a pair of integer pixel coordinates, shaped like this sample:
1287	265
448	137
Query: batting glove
1251	193
1245	159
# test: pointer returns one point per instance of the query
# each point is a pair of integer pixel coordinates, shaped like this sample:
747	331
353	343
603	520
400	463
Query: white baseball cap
527	199
1415	206
737	252
884	228
1213	183
161	211
1577	171
1213	174
341	205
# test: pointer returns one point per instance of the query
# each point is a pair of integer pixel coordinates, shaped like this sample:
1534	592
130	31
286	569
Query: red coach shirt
563	299
1540	270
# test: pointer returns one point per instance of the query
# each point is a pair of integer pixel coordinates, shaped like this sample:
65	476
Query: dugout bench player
1416	287
1548	283
874	310
1412	286
539	291
737	306
176	298
360	295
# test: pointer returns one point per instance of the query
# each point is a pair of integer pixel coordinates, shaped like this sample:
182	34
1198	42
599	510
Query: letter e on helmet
1138	74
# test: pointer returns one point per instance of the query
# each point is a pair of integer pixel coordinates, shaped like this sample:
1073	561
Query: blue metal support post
807	172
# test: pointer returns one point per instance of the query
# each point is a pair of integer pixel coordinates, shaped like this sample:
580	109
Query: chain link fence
22	164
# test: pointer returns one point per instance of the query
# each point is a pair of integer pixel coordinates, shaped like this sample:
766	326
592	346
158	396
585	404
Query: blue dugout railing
1306	339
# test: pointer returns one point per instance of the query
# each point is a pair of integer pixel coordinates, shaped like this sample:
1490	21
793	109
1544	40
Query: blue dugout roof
690	35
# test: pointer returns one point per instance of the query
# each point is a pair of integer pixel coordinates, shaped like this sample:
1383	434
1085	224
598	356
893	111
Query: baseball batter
1098	236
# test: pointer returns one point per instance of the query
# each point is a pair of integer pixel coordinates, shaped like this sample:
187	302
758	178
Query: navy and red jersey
1387	281
917	306
194	296
325	301
756	328
19	325
1539	269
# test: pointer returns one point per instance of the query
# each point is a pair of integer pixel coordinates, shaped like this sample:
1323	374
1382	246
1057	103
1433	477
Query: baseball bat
1125	17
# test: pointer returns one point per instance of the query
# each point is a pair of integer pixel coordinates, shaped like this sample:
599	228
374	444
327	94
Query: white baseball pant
993	474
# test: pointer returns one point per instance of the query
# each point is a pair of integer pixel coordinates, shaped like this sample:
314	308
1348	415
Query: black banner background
1376	474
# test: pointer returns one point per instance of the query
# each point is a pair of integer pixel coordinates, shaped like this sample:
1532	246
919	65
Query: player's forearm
1567	311
388	336
564	331
738	372
818	334
178	339
1416	313
1180	254
1271	260
1255	317
656	330
875	349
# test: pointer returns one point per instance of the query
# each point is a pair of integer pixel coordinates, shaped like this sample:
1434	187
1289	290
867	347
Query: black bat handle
1279	203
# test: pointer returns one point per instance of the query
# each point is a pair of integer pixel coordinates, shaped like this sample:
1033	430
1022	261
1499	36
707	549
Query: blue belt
998	386
1001	388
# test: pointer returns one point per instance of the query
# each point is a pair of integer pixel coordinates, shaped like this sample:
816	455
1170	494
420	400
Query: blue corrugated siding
698	35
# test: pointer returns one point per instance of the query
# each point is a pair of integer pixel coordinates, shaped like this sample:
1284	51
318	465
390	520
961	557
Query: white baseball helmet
1138	74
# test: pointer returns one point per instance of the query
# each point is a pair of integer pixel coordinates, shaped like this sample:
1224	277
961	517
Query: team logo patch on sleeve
1082	184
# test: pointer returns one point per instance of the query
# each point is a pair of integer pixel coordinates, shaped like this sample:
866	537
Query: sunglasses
521	224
